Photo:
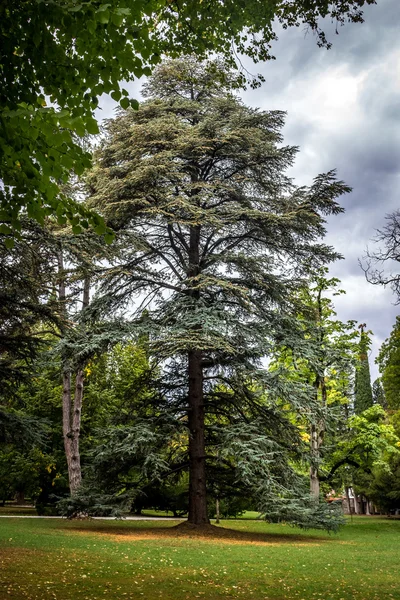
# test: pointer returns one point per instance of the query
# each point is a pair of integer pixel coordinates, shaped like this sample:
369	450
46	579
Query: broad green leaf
116	95
103	16
92	126
5	229
109	238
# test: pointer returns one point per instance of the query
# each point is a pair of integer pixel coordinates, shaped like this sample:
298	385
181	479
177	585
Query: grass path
62	560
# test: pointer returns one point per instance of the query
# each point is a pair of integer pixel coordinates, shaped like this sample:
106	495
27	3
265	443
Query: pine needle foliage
389	366
212	238
27	311
363	389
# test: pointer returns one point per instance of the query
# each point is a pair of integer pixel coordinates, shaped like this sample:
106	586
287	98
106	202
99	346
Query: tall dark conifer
213	238
363	389
378	393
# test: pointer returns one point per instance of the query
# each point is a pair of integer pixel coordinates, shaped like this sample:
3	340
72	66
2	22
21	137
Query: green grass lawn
47	559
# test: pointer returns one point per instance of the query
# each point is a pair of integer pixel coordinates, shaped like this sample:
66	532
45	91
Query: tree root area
205	532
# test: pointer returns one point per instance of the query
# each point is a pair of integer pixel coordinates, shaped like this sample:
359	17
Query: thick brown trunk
197	460
20	497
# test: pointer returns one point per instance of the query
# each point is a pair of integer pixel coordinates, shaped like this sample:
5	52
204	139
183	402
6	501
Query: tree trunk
318	429
357	507
349	502
197	460
71	427
66	416
20	497
317	439
217	510
71	410
314	479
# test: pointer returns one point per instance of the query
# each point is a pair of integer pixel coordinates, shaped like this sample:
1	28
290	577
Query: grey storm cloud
343	111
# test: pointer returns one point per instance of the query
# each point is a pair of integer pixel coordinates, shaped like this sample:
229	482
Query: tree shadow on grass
206	533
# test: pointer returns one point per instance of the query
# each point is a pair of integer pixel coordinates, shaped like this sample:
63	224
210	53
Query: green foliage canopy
69	52
27	309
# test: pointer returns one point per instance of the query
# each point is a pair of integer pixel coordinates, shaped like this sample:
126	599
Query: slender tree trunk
72	409
72	426
66	414
349	502
217	510
314	479
75	464
357	507
197	460
318	430
86	293
316	440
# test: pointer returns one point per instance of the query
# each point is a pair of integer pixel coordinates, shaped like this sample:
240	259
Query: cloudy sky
343	111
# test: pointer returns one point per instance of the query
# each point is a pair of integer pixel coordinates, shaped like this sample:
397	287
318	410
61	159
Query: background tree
389	366
214	238
31	452
28	320
378	393
71	52
27	308
80	339
386	256
322	359
364	453
363	390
